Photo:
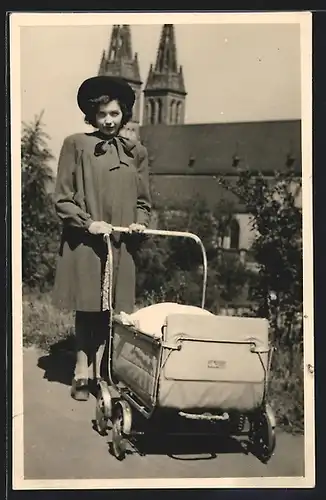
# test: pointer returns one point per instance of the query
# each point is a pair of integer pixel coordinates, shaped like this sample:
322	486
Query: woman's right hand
100	227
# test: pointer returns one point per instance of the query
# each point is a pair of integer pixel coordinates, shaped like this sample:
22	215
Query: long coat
112	186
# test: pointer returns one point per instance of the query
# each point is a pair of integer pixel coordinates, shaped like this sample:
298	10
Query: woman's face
108	118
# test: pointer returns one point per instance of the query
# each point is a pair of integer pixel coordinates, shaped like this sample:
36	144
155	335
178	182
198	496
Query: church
185	159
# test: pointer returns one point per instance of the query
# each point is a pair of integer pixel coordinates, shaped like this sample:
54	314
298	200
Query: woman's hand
100	227
136	228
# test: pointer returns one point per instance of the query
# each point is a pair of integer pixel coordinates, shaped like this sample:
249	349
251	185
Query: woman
102	181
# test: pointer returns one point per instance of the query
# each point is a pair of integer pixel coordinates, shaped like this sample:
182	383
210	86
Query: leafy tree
171	269
277	246
40	227
232	276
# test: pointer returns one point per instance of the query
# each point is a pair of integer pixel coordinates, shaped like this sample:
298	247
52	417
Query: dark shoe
80	389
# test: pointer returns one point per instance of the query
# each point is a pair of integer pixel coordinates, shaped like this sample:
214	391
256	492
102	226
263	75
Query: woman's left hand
136	228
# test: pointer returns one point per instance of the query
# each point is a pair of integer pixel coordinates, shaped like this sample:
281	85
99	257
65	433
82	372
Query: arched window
172	112
178	113
159	111
147	117
234	234
152	112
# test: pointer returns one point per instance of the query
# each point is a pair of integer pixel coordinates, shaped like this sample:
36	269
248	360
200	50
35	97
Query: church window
159	111
234	234
147	118
152	112
172	111
178	113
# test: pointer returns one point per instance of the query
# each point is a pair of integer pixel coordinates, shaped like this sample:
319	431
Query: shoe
80	389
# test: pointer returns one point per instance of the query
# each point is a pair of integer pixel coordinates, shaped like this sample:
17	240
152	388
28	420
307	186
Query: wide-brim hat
113	86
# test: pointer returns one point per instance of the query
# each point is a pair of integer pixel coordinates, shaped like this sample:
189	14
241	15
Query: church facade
185	159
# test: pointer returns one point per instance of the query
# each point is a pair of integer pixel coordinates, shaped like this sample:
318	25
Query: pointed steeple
166	75
119	61
166	60
165	89
120	46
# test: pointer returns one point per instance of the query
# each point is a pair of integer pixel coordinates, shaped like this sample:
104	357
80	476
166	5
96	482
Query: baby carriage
184	369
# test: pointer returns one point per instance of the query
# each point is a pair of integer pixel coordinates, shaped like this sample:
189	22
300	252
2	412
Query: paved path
61	444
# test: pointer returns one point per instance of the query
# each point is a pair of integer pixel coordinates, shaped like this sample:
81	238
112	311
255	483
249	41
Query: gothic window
178	112
159	111
152	112
234	234
172	111
147	118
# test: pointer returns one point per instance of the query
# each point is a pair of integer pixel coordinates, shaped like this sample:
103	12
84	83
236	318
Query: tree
171	269
277	247
40	227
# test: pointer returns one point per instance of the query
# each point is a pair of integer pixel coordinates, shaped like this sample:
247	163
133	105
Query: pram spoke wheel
103	407
122	420
262	434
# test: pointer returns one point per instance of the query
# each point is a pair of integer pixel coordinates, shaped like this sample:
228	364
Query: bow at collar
123	146
102	147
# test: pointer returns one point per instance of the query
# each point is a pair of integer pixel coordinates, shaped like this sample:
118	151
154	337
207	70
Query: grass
46	327
286	389
43	324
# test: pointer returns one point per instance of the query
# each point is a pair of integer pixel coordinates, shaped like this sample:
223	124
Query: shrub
40	226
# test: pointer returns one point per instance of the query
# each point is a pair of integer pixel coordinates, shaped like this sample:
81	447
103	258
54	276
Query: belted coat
96	183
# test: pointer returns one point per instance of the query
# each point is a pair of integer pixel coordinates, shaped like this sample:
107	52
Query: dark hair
94	104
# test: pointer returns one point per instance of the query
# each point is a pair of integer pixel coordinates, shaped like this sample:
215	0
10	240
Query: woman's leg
100	340
83	333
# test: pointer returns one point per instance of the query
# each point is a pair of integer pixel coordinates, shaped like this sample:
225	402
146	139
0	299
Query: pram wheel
262	434
122	420
103	407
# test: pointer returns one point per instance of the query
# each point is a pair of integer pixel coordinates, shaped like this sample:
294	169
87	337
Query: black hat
113	86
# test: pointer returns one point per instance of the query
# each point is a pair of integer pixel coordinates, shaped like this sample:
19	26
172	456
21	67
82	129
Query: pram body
192	363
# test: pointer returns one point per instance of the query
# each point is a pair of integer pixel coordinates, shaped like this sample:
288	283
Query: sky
232	72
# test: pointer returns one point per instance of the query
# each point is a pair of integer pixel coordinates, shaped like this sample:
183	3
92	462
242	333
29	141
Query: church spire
120	61
120	45
166	75
166	60
165	89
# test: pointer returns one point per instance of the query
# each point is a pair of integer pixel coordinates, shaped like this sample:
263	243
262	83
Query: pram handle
174	234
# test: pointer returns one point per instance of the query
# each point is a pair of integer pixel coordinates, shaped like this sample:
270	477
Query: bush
277	249
40	226
277	246
172	267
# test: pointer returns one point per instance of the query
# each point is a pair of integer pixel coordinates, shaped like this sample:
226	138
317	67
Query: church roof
210	148
175	191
